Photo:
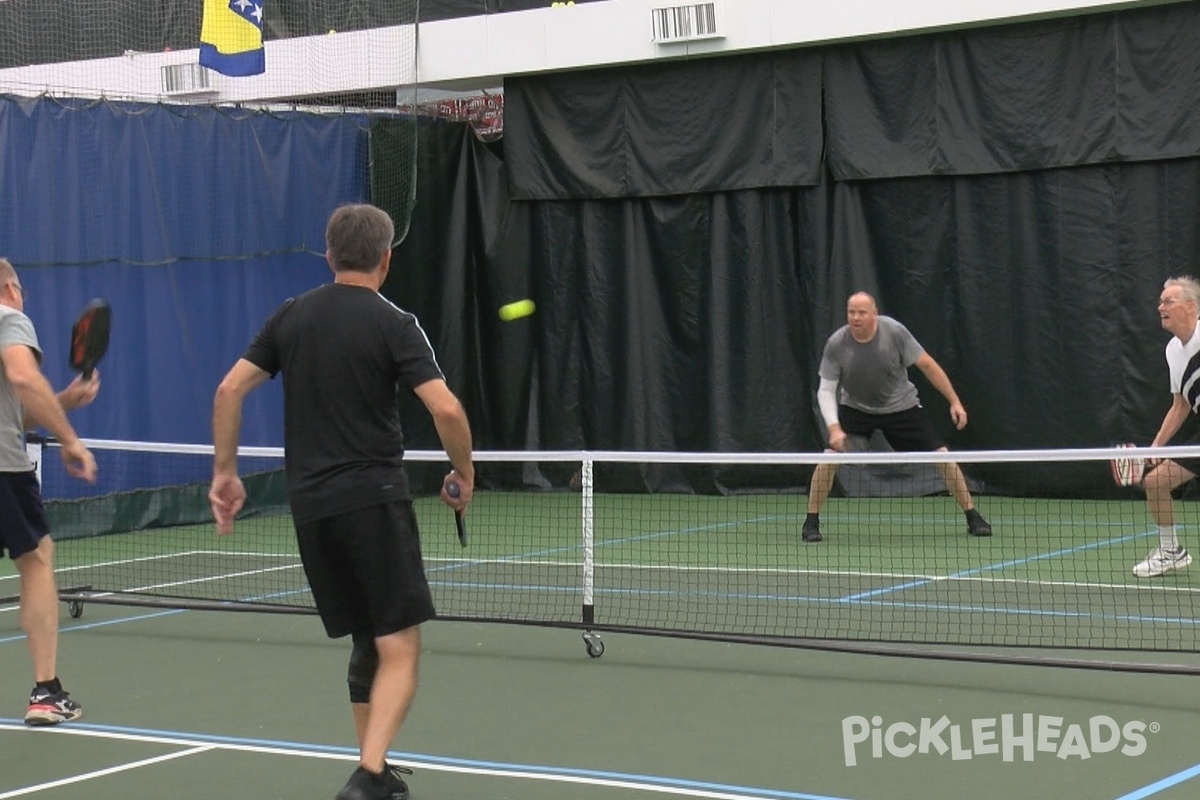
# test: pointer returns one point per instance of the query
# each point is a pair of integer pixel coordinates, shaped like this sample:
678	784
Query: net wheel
595	647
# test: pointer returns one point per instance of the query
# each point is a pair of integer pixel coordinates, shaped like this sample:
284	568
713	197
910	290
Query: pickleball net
701	545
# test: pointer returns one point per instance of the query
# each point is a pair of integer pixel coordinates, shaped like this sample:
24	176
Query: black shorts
366	571
22	516
908	431
1192	465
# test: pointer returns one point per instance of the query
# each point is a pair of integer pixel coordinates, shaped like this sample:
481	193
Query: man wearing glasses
1178	307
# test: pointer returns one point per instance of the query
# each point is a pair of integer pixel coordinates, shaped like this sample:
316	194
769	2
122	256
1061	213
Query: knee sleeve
364	661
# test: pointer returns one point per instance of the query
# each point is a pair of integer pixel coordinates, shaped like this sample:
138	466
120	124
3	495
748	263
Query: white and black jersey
1183	360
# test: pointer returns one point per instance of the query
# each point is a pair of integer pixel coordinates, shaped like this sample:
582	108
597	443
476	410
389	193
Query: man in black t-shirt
343	350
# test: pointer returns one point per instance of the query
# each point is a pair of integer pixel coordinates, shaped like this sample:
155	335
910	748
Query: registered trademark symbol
1155	727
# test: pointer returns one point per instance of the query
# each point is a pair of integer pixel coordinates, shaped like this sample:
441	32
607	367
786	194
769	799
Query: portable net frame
684	544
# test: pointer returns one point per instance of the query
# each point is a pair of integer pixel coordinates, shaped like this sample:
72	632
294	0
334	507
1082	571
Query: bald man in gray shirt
865	388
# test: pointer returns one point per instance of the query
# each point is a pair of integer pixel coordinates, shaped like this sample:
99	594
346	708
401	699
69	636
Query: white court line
182	554
205	579
120	562
87	776
671	568
823	573
506	771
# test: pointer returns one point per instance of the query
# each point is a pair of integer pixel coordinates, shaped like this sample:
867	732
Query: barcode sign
185	79
684	23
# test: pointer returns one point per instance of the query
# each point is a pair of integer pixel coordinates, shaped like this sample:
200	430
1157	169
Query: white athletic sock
1168	538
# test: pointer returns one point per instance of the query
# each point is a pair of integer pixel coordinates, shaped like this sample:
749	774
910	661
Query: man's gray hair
357	236
1189	286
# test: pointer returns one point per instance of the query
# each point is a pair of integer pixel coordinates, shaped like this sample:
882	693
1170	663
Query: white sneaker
1160	562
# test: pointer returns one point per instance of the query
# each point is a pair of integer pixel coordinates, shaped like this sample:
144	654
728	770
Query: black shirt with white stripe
344	352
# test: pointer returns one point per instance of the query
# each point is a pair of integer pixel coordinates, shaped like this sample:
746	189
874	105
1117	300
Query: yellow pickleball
517	310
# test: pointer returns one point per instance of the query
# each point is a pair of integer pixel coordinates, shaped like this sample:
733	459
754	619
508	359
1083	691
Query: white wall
478	52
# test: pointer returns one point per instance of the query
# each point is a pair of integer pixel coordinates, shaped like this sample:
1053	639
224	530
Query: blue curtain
194	223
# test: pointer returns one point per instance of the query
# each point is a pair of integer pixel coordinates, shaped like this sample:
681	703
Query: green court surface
201	705
211	704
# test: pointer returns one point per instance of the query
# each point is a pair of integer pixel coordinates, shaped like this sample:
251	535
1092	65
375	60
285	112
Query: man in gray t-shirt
28	401
865	388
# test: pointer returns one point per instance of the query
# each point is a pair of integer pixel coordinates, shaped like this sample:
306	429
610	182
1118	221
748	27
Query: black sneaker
811	532
51	708
364	785
977	525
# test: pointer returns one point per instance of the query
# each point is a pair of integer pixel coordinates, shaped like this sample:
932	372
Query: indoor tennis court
516	701
683	218
192	704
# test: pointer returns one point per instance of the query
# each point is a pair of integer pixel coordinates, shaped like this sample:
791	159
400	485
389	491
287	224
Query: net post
33	448
587	521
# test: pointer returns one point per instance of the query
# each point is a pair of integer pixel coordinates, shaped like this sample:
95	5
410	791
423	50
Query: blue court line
100	624
1016	562
1165	783
417	759
939	520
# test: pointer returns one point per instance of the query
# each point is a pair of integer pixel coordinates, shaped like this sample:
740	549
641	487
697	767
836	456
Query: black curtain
738	122
695	321
1092	89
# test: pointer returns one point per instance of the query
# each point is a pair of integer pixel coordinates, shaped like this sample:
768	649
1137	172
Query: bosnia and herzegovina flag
231	37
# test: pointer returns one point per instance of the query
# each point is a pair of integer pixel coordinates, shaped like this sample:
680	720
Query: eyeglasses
1170	301
18	287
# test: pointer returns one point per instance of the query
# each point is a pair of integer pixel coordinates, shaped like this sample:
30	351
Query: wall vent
688	23
181	80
